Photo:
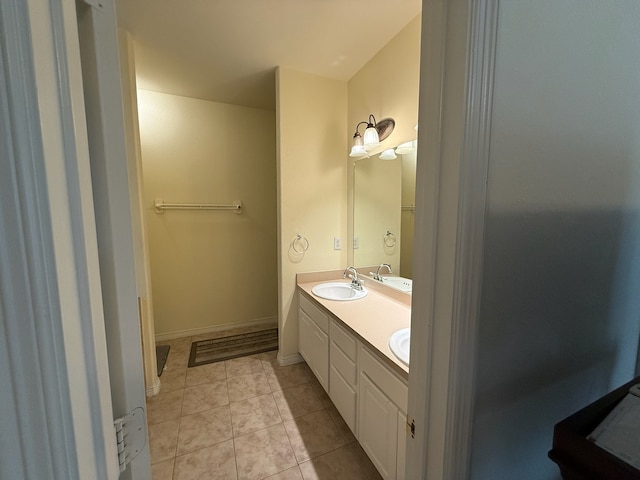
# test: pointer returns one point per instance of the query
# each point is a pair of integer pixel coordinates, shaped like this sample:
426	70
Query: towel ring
389	239
304	244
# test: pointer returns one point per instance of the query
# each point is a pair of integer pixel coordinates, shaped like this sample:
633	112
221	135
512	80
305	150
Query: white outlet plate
337	243
356	242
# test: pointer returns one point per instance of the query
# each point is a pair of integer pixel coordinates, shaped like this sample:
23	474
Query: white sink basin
399	344
338	291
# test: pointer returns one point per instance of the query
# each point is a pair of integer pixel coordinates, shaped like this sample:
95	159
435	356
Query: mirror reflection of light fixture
374	133
388	154
404	148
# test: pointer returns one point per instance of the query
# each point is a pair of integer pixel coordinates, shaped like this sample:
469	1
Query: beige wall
209	268
312	189
387	86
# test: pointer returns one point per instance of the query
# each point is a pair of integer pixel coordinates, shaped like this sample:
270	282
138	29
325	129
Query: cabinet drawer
343	364
387	381
344	340
317	315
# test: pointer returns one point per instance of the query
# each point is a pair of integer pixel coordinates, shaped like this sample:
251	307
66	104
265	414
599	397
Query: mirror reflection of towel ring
302	241
389	239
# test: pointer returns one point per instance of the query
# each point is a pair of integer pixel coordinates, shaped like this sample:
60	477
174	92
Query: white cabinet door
344	397
313	345
321	356
402	445
378	427
305	336
343	377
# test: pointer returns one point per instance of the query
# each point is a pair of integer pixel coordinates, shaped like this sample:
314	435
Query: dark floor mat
162	352
225	348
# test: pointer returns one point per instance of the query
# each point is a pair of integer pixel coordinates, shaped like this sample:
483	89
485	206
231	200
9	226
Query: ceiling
227	50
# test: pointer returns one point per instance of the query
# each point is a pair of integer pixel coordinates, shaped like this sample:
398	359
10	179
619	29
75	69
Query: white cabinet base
368	395
378	427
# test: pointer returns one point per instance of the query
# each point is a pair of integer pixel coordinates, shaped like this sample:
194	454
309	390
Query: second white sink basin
399	344
338	291
399	283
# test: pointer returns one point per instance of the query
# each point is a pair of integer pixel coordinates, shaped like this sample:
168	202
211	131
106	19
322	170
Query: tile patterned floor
248	419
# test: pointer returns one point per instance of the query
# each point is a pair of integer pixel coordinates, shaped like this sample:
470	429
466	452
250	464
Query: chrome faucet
356	283
376	276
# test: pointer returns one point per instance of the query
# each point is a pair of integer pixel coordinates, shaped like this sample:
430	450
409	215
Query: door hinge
411	428
131	436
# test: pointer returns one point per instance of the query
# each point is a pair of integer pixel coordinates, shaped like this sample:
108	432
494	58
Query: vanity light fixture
374	133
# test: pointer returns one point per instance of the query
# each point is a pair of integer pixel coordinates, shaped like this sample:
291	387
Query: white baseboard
266	322
289	359
154	389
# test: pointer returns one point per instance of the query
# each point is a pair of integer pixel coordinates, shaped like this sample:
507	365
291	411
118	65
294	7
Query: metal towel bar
160	206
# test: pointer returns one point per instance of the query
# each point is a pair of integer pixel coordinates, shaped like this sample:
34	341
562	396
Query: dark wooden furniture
581	459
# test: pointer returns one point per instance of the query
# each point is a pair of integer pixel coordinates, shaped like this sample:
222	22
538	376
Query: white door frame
458	56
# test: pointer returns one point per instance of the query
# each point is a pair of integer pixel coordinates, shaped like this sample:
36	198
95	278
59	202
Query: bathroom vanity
345	343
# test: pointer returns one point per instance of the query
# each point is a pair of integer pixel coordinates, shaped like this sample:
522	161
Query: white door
70	361
98	40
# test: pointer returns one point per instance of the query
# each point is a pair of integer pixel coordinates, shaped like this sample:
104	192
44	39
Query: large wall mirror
384	205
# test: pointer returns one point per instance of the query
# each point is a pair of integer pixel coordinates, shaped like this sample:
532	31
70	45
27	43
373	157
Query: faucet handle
356	283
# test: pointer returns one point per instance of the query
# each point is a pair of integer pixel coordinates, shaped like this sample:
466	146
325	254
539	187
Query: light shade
404	148
371	138
358	151
388	154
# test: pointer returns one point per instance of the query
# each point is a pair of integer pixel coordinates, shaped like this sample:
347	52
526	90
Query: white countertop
373	318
